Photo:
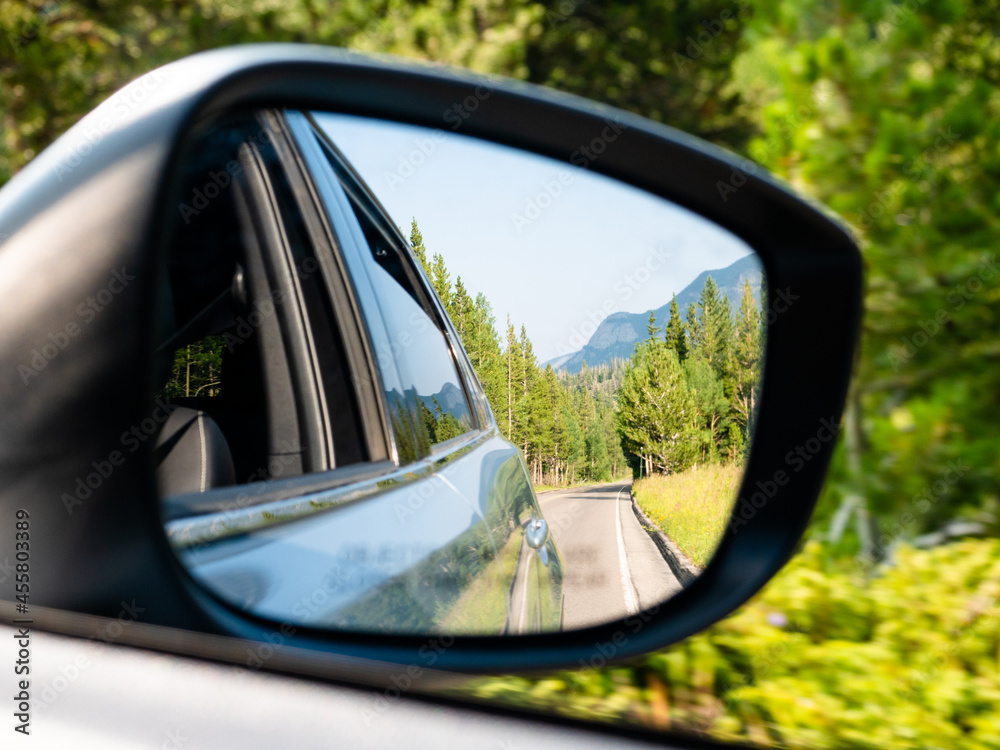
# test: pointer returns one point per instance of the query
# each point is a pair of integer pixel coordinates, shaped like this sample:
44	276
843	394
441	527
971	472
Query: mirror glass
415	382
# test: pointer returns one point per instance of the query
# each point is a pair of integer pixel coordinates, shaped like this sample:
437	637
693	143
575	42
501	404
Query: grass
692	507
480	608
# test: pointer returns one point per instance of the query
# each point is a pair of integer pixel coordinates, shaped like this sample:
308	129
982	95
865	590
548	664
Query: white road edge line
631	597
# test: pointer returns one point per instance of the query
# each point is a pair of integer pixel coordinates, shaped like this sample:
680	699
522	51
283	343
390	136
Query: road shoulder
683	569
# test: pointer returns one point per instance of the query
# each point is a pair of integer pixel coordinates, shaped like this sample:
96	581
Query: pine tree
486	356
708	392
745	359
675	335
440	280
652	329
656	413
513	359
708	309
723	332
417	243
712	334
527	374
693	329
459	308
197	369
539	417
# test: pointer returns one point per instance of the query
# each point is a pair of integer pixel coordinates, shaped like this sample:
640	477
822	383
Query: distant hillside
450	398
618	333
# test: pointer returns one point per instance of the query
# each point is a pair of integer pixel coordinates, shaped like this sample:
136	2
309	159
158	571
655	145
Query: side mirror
287	414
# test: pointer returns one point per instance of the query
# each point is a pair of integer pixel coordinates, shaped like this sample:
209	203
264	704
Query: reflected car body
451	552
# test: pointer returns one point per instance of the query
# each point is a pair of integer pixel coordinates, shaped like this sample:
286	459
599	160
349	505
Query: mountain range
617	335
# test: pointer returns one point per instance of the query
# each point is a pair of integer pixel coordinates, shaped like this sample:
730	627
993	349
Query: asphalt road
611	568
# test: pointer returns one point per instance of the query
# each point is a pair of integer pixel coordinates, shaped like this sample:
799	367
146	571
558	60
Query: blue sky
555	246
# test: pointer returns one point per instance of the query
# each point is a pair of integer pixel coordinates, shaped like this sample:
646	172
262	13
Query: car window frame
260	213
225	511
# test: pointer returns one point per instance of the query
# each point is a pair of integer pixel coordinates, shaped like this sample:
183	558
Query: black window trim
349	321
274	246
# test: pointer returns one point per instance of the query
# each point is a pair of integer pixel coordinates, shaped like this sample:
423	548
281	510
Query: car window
428	402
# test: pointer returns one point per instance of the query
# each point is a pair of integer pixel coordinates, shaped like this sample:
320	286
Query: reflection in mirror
424	384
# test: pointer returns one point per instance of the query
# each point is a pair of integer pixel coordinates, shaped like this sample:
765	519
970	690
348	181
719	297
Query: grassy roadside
692	507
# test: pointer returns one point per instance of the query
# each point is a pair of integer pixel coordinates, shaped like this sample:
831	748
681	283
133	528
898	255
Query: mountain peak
617	335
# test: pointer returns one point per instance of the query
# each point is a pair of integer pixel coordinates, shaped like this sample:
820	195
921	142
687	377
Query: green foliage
890	113
823	658
59	59
745	355
711	340
711	403
417	243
